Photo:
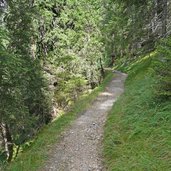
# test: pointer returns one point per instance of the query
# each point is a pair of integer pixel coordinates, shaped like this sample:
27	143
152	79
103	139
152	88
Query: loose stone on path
80	147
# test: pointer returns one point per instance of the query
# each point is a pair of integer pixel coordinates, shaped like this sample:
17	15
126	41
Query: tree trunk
162	15
7	141
17	151
164	19
101	68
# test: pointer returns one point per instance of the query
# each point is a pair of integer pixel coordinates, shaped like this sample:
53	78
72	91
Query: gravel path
80	146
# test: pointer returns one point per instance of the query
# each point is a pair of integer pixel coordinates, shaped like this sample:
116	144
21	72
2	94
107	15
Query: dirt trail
80	147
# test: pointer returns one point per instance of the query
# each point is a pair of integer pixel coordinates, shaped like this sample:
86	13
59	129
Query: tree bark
17	151
164	19
7	141
101	68
162	16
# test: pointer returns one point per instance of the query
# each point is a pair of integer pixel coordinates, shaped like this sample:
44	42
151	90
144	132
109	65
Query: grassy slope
138	129
32	158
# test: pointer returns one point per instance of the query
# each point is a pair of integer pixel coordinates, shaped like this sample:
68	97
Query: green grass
138	130
35	156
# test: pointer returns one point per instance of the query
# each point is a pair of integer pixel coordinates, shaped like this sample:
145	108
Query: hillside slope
137	133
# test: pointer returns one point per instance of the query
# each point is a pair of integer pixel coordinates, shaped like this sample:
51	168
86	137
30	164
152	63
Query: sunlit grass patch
137	132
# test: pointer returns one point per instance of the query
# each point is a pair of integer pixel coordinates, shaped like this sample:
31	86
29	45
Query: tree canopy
52	51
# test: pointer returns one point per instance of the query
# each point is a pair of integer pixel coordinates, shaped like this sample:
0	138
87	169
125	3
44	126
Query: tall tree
23	104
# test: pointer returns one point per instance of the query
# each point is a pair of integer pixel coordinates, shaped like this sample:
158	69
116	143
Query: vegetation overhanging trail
53	53
80	147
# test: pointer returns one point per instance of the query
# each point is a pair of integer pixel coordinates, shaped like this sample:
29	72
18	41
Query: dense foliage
163	88
135	28
52	51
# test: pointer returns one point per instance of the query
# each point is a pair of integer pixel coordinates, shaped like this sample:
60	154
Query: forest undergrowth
36	152
53	51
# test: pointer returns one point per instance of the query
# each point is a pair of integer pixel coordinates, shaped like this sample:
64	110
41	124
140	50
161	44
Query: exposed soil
80	146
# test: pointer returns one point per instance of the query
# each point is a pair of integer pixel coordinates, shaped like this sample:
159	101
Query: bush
164	70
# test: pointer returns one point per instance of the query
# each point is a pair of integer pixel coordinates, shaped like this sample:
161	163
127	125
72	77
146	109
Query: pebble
79	148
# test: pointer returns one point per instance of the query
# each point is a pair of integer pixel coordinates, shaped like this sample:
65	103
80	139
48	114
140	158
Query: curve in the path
80	147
